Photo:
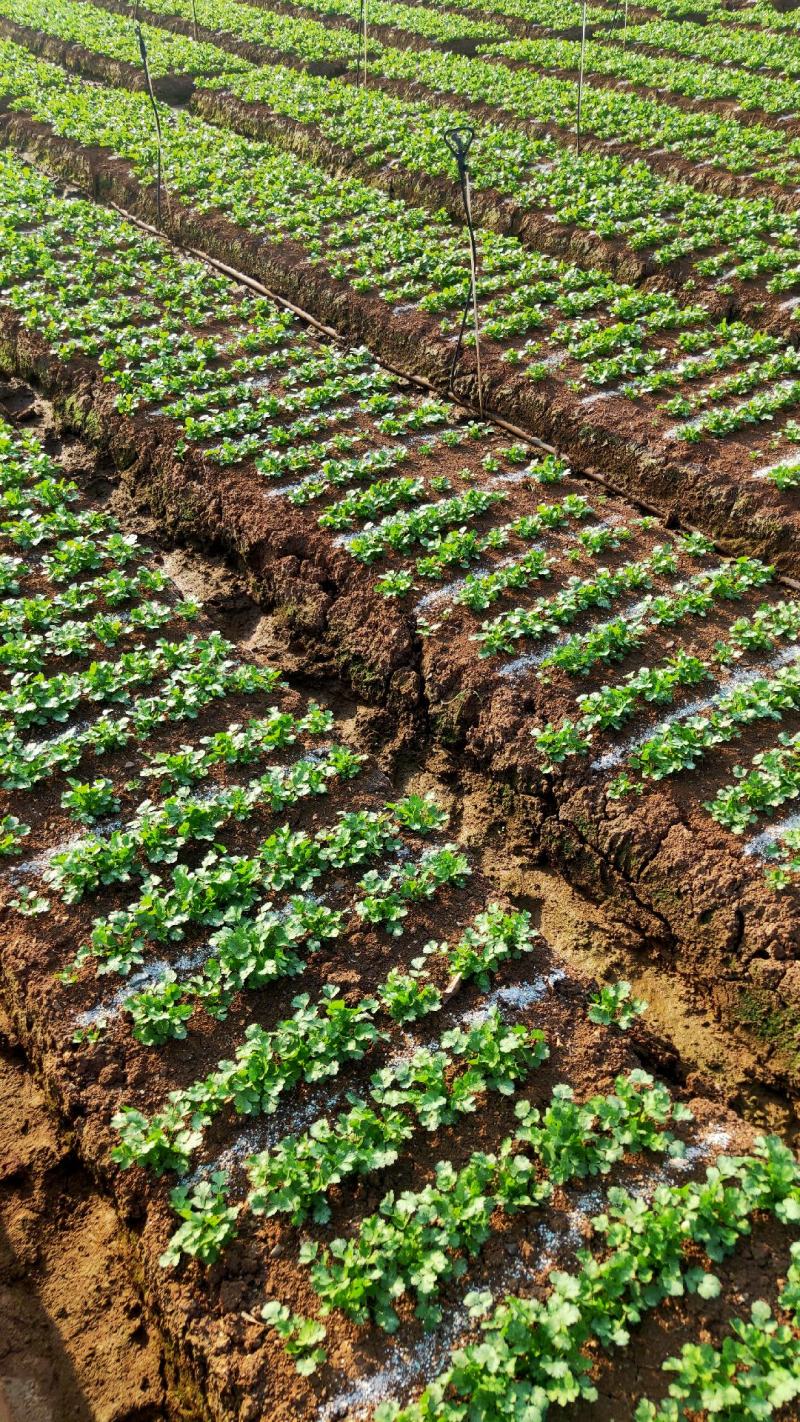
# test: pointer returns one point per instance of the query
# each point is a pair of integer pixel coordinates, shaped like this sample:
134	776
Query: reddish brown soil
211	1316
173	88
536	227
231	1359
678	884
727	108
707	485
661	861
228	1361
522	27
74	1342
670	164
750	300
230	1366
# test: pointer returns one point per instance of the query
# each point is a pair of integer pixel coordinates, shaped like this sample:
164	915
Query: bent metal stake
143	52
459	141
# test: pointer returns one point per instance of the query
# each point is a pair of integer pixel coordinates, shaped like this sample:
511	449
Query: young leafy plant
209	1222
614	1006
302	1337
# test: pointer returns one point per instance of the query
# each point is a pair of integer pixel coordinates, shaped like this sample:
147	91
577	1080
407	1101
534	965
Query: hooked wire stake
143	53
459	141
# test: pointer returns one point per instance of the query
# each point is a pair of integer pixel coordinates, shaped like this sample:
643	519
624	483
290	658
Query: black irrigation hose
459	141
143	53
